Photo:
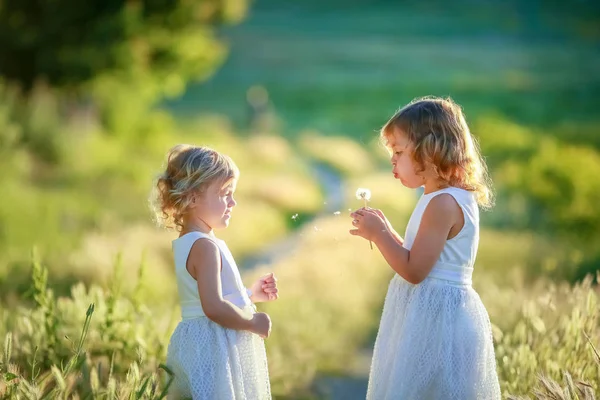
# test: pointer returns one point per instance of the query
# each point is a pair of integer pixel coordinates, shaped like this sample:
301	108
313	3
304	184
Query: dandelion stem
365	200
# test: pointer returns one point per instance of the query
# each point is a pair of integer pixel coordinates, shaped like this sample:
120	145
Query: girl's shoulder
452	200
449	189
189	238
460	195
187	242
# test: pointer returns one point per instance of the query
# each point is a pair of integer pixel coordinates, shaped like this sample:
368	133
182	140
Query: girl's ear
196	196
429	170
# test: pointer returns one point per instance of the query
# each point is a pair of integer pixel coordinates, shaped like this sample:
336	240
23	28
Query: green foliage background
93	94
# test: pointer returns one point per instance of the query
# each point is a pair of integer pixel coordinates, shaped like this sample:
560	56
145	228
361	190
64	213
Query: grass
332	288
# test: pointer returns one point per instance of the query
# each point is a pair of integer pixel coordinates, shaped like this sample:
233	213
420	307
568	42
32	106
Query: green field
344	68
528	77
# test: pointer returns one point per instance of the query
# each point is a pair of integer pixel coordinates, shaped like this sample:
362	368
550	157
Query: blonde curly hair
189	170
441	137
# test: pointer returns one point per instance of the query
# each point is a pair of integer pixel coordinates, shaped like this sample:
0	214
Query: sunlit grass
332	287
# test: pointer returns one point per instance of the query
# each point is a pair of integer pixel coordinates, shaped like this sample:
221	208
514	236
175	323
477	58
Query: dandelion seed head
363	194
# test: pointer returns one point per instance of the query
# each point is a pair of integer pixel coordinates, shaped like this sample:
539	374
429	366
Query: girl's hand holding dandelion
364	195
368	224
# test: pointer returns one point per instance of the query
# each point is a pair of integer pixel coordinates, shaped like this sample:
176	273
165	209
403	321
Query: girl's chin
410	185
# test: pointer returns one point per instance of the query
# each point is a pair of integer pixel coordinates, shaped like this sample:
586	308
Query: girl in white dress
217	350
435	339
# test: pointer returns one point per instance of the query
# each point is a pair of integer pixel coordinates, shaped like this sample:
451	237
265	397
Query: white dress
435	338
209	361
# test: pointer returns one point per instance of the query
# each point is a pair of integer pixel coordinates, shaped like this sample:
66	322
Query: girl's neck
196	226
433	185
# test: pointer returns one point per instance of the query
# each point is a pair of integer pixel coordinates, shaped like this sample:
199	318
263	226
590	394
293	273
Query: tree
70	43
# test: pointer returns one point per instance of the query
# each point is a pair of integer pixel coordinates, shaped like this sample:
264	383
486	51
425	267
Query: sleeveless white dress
210	361
435	338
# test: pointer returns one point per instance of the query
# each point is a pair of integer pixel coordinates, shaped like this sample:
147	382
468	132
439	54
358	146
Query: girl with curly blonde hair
435	337
217	350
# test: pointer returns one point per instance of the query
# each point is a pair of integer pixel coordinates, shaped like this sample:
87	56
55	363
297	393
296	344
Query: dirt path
333	186
353	385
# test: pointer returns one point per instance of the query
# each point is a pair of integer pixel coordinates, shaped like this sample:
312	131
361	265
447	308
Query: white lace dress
435	338
209	361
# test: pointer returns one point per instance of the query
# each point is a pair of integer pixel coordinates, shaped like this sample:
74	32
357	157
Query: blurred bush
88	190
342	154
546	186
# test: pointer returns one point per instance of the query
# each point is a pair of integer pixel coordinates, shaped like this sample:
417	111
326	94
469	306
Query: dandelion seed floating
294	217
364	195
337	213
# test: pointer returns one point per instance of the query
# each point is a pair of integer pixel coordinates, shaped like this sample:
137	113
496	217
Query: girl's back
457	259
232	286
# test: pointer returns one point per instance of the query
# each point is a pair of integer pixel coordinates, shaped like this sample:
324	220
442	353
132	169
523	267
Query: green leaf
9	376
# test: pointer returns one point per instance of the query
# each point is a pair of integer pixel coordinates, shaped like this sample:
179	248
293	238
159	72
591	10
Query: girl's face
213	206
403	166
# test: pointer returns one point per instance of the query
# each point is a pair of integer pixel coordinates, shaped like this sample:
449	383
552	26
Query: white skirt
216	363
434	342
